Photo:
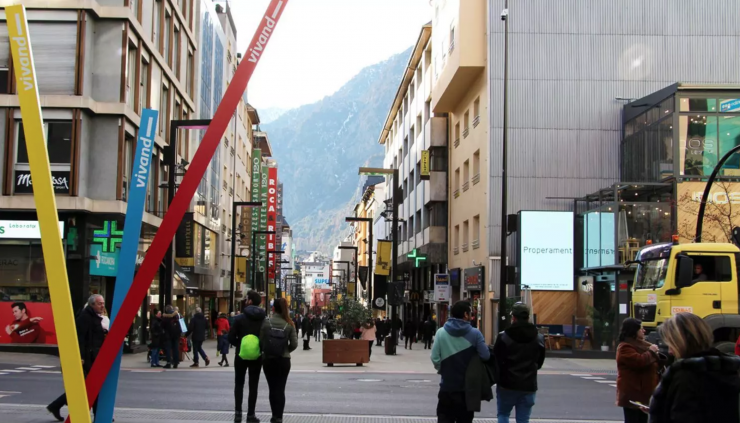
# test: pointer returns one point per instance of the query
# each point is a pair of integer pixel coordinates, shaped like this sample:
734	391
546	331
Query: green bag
250	348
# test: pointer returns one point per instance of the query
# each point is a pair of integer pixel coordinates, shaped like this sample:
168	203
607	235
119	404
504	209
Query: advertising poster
546	250
723	205
271	221
24	322
441	288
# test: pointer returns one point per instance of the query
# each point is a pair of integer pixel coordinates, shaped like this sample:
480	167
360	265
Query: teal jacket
455	345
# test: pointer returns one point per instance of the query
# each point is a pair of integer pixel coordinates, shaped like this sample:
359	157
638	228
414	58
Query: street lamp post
234	206
170	158
267	273
253	254
370	280
504	195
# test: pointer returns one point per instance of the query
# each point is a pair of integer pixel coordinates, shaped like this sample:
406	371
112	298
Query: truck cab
700	278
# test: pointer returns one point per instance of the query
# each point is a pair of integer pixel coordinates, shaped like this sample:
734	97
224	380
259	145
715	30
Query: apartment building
460	96
362	237
409	129
98	64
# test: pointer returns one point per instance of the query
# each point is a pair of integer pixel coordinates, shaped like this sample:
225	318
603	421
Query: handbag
183	326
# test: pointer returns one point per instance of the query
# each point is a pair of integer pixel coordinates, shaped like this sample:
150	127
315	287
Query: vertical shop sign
129	248
262	240
271	220
256	177
46	208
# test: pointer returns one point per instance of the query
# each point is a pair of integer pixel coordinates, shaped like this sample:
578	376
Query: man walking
198	328
520	353
456	344
90	335
317	329
430	326
306	332
247	323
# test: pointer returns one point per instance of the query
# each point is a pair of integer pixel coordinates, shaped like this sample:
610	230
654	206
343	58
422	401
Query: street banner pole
129	249
181	201
46	209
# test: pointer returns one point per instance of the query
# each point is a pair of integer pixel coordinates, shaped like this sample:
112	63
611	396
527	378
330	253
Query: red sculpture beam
181	201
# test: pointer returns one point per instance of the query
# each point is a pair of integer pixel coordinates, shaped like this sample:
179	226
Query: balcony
437	189
435	235
476	178
466	58
466	131
466	186
465	247
457	192
476	244
436	131
457	142
476	121
456	250
232	151
226	185
231	192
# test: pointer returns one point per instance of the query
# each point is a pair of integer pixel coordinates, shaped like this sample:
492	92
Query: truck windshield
651	274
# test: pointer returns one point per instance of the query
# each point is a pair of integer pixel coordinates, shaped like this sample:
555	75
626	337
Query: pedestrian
306	329
197	330
457	345
172	332
331	327
90	335
367	333
429	327
156	333
222	328
246	331
387	328
409	334
378	332
520	353
317	329
278	339
702	385
638	362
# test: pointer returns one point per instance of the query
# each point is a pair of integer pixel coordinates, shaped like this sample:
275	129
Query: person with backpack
278	339
244	336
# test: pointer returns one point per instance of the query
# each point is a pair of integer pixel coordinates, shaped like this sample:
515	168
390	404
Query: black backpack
277	341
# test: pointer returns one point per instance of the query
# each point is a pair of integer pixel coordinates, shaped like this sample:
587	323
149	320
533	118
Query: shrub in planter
353	314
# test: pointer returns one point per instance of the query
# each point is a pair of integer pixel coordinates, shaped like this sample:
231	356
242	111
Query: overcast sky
321	44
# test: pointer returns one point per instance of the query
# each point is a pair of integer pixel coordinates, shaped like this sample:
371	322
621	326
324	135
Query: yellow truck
699	278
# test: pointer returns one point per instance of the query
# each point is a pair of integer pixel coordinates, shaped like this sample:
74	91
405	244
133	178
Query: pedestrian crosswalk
30	369
603	379
5	394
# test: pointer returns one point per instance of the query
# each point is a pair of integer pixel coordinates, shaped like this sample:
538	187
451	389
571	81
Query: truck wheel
725	347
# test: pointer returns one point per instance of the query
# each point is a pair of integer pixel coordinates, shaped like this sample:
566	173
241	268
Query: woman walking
222	329
703	384
637	370
368	334
278	339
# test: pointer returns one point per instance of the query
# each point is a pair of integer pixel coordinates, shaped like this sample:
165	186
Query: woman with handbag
638	362
278	339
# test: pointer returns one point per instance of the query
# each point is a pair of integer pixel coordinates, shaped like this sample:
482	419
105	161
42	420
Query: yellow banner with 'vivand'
46	209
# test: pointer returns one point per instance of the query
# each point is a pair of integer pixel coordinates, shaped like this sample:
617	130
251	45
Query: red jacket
222	326
737	347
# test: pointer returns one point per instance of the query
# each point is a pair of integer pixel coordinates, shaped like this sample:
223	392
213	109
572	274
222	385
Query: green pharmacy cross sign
414	254
109	236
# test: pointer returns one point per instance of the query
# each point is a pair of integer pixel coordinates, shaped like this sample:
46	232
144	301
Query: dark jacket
409	329
429	327
198	327
316	324
171	327
306	327
156	332
519	355
247	323
456	345
90	335
479	380
277	321
637	372
702	388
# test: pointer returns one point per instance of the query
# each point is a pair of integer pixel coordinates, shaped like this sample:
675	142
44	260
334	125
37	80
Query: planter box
345	351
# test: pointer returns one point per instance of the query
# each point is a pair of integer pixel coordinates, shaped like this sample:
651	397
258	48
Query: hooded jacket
702	388
198	327
455	346
247	323
519	354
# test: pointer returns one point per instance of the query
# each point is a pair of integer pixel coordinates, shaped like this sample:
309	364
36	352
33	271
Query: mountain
320	146
270	114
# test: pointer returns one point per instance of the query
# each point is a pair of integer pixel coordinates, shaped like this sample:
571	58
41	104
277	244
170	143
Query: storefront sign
109	237
425	173
256	175
546	250
383	266
184	245
23	229
723	205
262	239
103	263
731	105
474	278
417	257
441	288
24	183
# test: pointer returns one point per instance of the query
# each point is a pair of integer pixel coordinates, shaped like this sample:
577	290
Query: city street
404	385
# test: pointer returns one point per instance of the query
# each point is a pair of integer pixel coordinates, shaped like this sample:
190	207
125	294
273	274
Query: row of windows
466	122
466	174
466	236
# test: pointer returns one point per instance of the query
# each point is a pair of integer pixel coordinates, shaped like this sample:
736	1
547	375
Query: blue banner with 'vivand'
129	247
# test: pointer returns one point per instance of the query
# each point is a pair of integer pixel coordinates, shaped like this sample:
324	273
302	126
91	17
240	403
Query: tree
352	314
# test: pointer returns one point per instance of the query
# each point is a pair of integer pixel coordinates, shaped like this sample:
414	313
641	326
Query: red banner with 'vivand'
272	221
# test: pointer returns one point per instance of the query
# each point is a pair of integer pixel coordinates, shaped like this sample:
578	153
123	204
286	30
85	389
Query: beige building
460	92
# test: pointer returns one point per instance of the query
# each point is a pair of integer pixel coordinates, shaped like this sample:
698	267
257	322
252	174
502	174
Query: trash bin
390	345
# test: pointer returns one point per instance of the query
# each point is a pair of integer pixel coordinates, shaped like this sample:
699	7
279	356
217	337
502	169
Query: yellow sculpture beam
46	209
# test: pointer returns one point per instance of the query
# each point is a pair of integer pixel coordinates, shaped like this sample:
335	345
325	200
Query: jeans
240	373
507	399
276	373
155	355
198	349
172	351
633	415
371	349
409	342
317	335
428	343
451	408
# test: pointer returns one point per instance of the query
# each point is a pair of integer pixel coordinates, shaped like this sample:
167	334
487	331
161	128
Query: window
134	5
457	182
153	178
58	142
452	39
466	175
427	110
164	100
476	167
167	50
144	86
476	112
189	74
465	235
128	163
457	134
131	75
176	52
457	239
176	116
157	22
4	75
699	144
466	120
476	232
161	191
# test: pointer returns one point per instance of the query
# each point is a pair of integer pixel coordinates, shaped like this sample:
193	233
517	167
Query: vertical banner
46	209
179	206
129	249
383	266
262	239
272	222
256	177
379	290
425	172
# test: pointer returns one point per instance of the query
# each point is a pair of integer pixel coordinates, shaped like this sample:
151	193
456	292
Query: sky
319	45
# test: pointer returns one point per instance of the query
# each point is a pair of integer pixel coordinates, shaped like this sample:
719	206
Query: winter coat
637	372
306	327
156	332
316	324
368	334
222	326
90	335
171	327
429	327
698	389
410	329
456	345
247	323
520	353
198	327
277	321
479	379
